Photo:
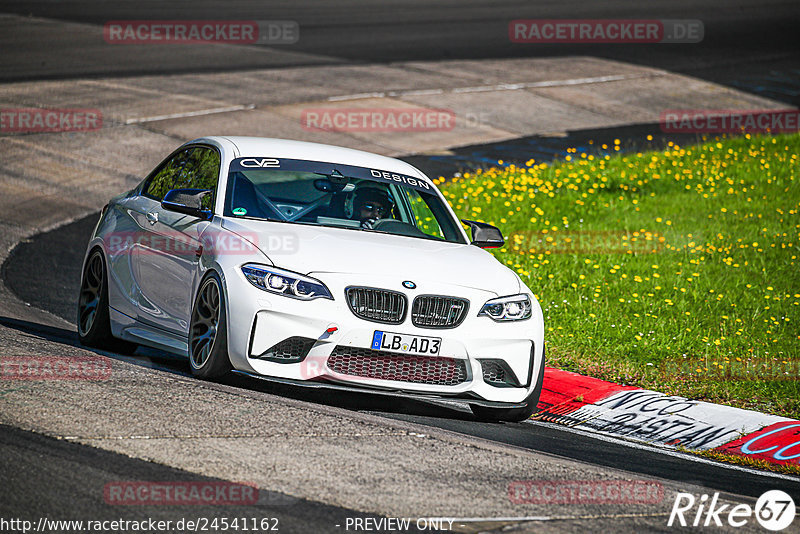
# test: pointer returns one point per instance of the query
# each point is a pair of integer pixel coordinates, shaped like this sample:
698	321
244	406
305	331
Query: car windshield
336	195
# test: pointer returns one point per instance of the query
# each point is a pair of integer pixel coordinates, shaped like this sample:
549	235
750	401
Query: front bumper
260	321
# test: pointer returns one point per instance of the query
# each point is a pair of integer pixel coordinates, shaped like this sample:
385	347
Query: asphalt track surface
60	252
76	475
750	45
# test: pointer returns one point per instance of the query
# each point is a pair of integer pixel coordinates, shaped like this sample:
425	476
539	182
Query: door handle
152	217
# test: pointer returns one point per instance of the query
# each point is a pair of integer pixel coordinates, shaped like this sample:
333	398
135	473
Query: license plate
405	343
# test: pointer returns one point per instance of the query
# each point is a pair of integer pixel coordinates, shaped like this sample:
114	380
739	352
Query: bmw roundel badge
408	284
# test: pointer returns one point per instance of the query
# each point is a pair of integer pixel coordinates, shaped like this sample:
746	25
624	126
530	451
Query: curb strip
649	416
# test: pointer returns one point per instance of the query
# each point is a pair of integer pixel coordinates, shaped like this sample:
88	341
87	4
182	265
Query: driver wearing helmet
371	201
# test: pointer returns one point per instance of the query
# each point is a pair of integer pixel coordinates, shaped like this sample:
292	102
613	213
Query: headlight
285	283
514	308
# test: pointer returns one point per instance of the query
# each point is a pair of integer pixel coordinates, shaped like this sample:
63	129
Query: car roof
290	149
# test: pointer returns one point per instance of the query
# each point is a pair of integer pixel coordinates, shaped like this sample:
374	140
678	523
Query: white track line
198	113
523	519
497	87
357	96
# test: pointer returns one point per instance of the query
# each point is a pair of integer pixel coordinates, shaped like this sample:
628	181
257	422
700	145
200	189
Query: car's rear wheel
208	332
94	323
483	413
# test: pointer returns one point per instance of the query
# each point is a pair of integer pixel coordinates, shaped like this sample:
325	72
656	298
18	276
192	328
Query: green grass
674	270
745	461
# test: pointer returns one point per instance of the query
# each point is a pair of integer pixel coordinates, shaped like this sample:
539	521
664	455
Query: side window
201	172
165	178
422	214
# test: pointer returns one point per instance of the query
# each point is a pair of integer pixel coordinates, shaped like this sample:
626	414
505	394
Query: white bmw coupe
314	265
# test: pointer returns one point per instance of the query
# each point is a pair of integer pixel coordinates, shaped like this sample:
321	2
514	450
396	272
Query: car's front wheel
94	323
208	331
483	413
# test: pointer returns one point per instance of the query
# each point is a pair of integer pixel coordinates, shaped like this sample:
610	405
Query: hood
310	249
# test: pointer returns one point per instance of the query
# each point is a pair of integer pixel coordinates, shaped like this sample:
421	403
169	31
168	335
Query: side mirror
187	201
485	235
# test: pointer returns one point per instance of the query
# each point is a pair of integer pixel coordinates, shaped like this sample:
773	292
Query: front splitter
384	392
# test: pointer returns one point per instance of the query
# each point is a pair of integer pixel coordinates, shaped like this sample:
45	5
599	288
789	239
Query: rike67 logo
774	510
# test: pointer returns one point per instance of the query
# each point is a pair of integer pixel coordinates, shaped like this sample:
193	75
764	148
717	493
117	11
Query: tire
482	413
208	331
93	321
